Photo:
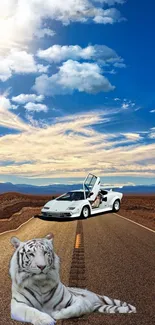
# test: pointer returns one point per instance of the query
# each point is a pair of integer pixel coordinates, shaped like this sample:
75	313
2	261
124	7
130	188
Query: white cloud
14	106
119	65
117	99
5	70
45	31
108	16
25	98
111	71
72	75
110	2
42	68
152	111
117	184
19	62
36	107
78	10
22	20
152	133
31	121
4	103
101	53
58	53
125	106
132	136
129	104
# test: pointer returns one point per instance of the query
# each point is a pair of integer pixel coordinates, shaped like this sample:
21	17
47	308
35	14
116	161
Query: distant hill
42	190
62	188
139	189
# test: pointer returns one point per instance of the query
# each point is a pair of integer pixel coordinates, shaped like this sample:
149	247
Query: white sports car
92	199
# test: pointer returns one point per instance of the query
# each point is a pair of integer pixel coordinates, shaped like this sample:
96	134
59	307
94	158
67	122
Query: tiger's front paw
44	320
57	314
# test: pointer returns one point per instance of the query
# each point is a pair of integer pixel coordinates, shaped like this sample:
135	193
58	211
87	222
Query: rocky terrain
16	208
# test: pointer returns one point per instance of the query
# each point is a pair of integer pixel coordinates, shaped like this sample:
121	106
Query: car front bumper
59	214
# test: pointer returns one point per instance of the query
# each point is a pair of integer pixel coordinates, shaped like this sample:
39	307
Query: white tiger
39	297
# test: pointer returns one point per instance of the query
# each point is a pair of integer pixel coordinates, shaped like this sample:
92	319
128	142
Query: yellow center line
78	241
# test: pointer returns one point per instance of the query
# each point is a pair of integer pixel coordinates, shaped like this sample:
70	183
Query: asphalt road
117	259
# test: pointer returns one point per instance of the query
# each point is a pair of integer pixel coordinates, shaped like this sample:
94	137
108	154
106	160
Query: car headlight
71	208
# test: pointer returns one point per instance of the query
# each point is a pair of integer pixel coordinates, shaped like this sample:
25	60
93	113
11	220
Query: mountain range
63	188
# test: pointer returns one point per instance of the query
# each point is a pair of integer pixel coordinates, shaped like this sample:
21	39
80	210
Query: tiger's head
34	258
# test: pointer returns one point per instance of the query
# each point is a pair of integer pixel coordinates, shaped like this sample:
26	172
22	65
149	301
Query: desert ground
139	208
16	208
115	257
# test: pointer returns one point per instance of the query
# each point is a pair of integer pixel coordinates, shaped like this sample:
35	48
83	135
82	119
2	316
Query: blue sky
77	91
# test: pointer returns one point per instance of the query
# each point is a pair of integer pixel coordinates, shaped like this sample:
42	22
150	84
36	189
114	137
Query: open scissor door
91	184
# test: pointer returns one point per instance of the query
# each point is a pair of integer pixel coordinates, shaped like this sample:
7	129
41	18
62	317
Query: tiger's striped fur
39	297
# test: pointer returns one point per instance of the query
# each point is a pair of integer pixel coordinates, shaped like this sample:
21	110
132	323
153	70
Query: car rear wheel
116	205
85	212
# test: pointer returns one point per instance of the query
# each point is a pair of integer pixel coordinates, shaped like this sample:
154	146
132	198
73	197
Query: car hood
60	205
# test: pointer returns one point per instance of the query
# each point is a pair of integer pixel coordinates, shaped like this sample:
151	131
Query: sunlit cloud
132	136
19	62
21	21
10	120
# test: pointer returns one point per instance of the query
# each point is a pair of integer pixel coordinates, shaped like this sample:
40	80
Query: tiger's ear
50	236
15	242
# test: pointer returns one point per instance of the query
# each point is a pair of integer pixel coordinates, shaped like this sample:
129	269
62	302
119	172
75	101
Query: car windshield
71	196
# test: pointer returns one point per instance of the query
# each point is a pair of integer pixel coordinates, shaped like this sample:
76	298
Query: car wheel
85	212
116	205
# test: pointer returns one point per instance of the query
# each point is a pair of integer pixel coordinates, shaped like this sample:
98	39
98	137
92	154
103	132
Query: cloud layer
25	98
75	148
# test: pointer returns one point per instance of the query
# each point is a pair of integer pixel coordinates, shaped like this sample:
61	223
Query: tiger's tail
112	306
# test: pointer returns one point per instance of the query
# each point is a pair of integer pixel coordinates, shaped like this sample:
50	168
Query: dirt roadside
139	208
16	209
